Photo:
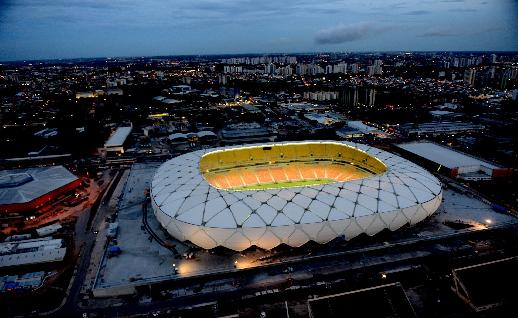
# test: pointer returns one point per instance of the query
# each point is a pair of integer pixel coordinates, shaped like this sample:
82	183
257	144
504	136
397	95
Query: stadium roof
192	209
118	138
443	155
25	185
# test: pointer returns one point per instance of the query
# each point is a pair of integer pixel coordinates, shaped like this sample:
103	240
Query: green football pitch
286	184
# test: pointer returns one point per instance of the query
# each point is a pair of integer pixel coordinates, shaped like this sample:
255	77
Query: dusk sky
43	29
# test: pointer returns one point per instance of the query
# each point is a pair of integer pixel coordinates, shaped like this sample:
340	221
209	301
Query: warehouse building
23	190
438	128
380	301
245	133
115	144
453	162
35	251
487	286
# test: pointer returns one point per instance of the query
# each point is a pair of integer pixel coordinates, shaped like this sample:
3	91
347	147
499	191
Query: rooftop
440	127
489	282
33	251
118	138
443	155
25	185
359	125
380	301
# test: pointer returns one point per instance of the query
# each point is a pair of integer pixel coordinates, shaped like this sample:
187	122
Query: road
85	240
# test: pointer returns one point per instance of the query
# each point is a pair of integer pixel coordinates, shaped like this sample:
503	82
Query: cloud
437	33
418	12
462	10
345	33
77	4
460	32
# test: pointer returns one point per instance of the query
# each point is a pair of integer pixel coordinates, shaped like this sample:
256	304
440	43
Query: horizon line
250	53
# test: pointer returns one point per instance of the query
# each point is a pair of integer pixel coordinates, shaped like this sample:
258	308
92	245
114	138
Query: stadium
289	193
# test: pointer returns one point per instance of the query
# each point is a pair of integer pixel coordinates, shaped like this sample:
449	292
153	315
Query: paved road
85	240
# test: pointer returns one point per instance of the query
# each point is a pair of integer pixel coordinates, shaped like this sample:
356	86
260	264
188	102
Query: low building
181	89
115	144
253	109
114	91
49	229
348	133
488	285
181	137
323	119
35	251
90	94
360	126
207	136
304	106
24	190
380	301
443	114
453	162
357	129
438	128
170	101
246	133
21	282
159	98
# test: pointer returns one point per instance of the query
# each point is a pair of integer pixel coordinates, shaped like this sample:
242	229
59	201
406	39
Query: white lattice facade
192	209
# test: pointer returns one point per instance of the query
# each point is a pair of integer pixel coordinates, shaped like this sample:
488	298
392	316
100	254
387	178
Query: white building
459	164
115	144
194	205
35	251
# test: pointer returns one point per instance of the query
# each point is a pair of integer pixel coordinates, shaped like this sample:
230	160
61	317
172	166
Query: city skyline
244	158
33	29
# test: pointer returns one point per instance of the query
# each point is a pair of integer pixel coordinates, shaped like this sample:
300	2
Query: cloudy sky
33	29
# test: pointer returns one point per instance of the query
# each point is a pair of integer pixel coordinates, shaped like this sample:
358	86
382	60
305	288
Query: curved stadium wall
292	192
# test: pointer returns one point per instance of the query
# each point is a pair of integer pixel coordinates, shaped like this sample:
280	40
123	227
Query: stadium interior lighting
289	193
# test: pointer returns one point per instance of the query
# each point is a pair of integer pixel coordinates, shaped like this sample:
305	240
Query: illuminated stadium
293	192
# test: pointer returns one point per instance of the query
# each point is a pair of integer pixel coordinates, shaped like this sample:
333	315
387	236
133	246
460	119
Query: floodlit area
143	260
288	175
465	208
286	165
194	195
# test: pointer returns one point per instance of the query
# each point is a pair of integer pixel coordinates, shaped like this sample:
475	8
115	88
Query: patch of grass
286	184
